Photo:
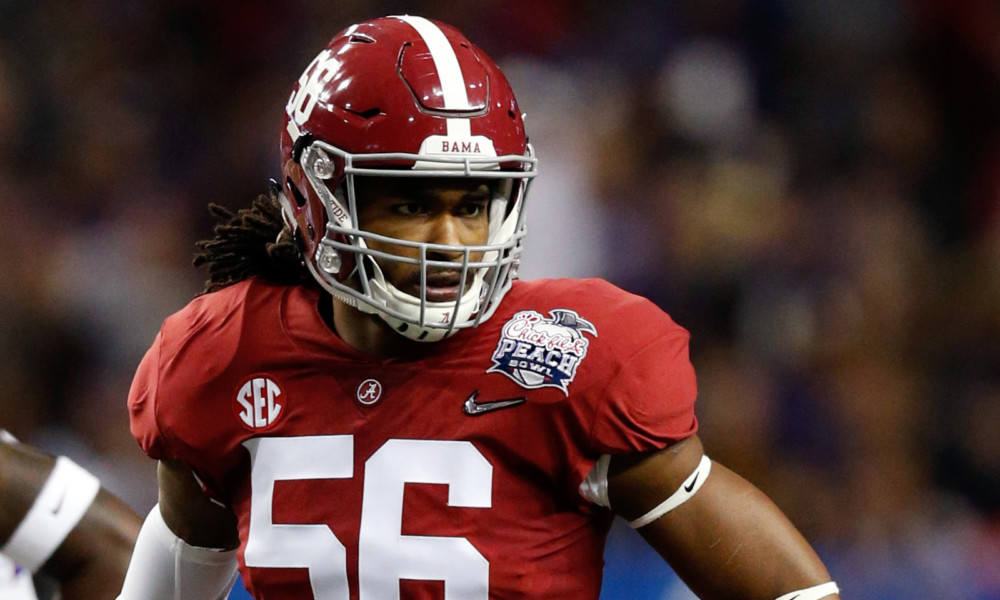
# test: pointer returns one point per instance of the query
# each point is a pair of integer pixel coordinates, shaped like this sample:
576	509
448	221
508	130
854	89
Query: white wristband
67	494
814	593
689	488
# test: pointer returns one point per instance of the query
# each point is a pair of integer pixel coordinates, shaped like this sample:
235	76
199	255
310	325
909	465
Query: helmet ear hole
300	244
300	200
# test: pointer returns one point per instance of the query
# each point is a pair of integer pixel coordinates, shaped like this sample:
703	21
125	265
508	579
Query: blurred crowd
811	187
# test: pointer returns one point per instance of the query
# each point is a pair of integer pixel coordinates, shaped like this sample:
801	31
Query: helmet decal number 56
384	555
319	72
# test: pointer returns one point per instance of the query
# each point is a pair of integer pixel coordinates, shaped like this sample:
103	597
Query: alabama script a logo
537	351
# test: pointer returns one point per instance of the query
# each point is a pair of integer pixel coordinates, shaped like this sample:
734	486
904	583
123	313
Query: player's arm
721	535
56	519
186	549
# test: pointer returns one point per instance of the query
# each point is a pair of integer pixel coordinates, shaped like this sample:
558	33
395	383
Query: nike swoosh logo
690	486
473	408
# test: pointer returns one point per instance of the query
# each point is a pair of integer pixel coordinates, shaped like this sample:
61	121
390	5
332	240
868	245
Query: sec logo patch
259	402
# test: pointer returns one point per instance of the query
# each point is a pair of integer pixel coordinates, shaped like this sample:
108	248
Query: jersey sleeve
142	404
167	413
649	403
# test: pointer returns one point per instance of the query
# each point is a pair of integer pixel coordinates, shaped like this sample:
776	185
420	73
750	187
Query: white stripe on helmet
449	71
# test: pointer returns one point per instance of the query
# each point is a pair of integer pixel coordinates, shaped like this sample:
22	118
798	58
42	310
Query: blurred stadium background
810	186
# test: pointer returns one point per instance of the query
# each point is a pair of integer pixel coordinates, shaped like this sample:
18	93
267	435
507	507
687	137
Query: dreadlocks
252	241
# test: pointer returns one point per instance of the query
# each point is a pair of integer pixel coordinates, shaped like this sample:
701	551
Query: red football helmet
395	97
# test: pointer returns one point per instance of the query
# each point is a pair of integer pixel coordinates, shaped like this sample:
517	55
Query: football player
56	520
366	403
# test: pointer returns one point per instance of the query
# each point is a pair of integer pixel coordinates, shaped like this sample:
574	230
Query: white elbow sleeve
165	567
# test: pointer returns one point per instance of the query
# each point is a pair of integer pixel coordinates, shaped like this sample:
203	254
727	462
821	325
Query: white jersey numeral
313	547
385	556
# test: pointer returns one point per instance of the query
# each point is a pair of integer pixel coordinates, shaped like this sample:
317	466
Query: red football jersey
455	475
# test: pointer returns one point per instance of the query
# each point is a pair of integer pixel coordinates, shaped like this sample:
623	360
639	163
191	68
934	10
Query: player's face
447	211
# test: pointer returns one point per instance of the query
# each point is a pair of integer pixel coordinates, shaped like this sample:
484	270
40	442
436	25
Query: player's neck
370	334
